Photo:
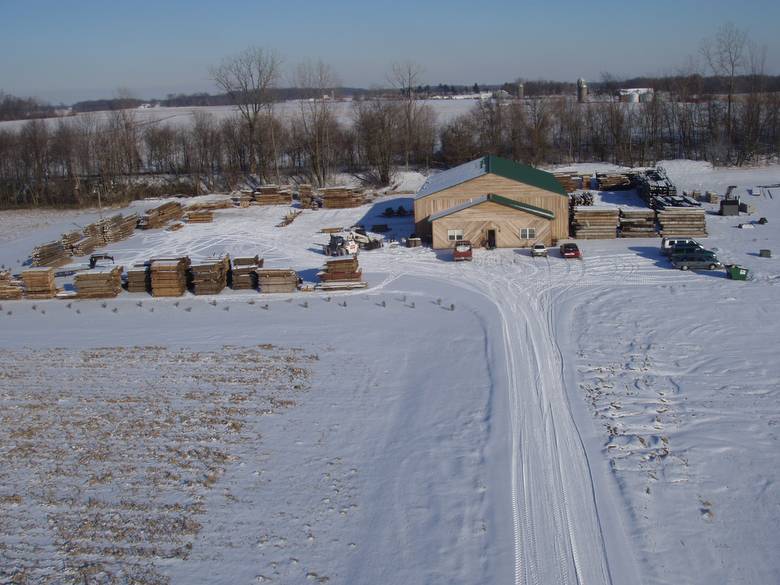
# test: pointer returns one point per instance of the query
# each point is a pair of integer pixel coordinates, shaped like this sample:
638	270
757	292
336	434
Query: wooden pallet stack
613	181
272	195
50	254
103	283
244	273
11	289
341	197
682	222
342	273
210	277
39	283
277	280
595	223
157	217
200	216
169	277
637	223
139	278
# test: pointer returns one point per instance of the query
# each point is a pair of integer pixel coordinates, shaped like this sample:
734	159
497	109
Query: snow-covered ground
510	419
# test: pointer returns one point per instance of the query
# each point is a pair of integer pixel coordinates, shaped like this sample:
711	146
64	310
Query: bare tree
376	127
248	78
405	77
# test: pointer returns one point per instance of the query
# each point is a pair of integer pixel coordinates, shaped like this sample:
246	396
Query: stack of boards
11	289
51	254
169	277
39	283
343	273
595	223
613	181
139	278
117	227
277	280
682	222
272	195
306	195
244	273
103	283
637	223
572	181
157	217
341	198
200	216
210	277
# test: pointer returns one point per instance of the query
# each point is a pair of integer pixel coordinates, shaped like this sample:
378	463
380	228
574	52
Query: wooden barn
489	183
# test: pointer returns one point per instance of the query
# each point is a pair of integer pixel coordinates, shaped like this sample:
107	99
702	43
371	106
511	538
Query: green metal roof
520	206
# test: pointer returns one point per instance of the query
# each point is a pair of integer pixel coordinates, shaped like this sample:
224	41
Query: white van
668	243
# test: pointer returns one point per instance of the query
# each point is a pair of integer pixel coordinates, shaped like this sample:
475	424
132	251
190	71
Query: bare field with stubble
108	456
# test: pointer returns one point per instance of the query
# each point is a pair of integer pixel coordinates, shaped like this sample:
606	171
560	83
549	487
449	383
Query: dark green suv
701	259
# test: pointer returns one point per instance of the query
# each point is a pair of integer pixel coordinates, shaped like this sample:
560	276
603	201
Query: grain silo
582	90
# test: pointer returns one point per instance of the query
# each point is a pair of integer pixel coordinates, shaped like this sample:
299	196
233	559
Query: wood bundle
70	239
159	216
682	222
595	223
169	277
243	273
209	205
139	278
85	246
11	289
95	231
39	283
277	281
245	199
175	226
50	254
104	283
289	218
306	195
118	228
341	198
613	181
637	223
210	277
342	269
272	195
572	181
200	216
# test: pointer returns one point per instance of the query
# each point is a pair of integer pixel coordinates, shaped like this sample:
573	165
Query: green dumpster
736	272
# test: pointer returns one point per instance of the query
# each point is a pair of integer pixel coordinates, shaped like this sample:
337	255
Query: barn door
491	239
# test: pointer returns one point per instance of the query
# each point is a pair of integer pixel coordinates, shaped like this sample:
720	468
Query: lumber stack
95	231
157	217
200	216
272	195
342	269
613	181
39	283
245	199
573	181
595	223
209	277
139	278
70	239
244	273
341	198
209	205
306	195
682	222
105	283
85	246
117	227
169	277
637	223
11	289
277	281
50	254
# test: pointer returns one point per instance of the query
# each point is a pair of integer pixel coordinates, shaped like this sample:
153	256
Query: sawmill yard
512	419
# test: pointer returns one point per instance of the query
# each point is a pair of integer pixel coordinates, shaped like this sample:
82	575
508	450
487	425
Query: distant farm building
492	201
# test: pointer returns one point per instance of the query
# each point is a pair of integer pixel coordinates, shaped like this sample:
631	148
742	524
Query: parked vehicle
570	250
539	251
697	259
462	251
668	243
684	248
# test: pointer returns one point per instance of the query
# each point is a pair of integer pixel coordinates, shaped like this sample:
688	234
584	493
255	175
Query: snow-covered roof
452	177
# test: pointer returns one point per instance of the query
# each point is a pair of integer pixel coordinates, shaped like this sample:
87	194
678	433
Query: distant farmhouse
492	202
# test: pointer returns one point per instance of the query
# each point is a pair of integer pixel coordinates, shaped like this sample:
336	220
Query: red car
462	251
570	250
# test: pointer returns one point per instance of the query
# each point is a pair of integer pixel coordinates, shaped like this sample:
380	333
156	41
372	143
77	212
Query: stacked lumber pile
613	181
245	199
637	223
85	246
95	231
209	205
103	283
159	216
573	181
342	273
595	223
244	273
139	278
200	216
169	277
51	254
70	239
11	289
306	195
210	277
341	197
277	281
39	283
289	218
272	195
682	222
118	228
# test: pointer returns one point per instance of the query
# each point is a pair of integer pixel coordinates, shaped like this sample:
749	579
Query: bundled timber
272	195
277	281
210	277
306	196
157	217
85	246
169	277
245	199
341	197
105	283
175	226
39	283
209	205
118	228
95	231
342	273
70	239
11	289
200	216
244	273
573	181
289	218
595	223
51	254
613	181
637	223
139	279
682	222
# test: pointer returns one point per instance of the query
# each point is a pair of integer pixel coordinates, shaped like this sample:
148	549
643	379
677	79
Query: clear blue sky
67	51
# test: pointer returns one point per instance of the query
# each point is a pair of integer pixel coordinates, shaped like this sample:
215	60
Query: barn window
527	233
454	235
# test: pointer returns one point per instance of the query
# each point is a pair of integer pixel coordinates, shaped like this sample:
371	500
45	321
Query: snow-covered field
508	420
